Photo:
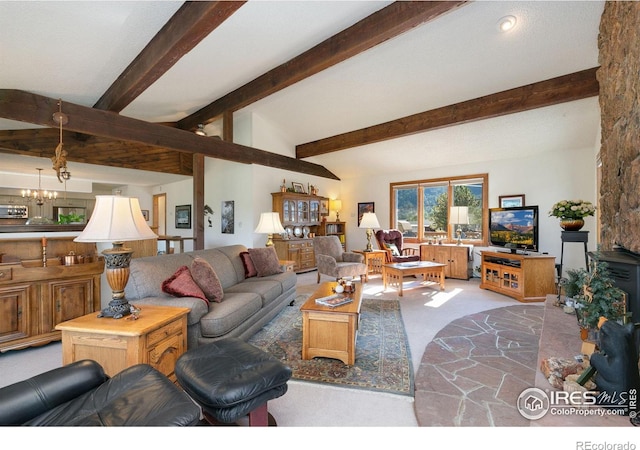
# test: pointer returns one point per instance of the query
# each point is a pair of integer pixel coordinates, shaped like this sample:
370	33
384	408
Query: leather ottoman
231	379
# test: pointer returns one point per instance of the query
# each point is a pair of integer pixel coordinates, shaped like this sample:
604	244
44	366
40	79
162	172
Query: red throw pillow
205	277
247	262
181	284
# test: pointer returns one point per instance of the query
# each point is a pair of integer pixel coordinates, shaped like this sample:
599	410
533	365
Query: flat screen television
515	228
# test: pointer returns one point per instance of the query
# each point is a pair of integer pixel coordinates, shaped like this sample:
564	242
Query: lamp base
369	246
117	309
117	260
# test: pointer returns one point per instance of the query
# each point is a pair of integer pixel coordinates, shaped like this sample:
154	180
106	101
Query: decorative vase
571	224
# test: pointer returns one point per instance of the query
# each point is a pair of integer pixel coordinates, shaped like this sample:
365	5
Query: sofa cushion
265	261
181	284
148	273
226	316
205	277
249	268
266	288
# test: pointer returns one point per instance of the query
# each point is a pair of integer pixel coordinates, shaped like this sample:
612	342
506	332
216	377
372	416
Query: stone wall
619	78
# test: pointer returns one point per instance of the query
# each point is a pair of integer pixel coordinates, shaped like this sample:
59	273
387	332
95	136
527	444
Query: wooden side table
286	265
374	260
158	337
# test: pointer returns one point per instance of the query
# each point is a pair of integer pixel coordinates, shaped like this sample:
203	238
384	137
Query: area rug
383	360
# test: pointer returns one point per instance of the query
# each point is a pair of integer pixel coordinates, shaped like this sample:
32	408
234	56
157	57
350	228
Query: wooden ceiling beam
558	90
37	109
375	29
189	25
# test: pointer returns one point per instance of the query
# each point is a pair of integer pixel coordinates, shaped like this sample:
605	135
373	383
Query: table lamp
116	219
369	221
458	215
269	223
336	205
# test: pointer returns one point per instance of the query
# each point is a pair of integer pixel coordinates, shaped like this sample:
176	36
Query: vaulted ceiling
342	84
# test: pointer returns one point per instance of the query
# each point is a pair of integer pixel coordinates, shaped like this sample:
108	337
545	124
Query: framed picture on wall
145	214
507	201
183	216
324	207
227	217
365	208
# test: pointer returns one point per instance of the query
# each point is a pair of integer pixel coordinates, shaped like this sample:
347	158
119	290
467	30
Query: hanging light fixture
60	158
200	130
39	197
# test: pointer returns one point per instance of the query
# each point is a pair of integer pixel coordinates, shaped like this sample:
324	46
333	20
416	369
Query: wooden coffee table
158	337
331	332
392	274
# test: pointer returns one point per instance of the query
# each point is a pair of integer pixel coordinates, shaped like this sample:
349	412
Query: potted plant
572	213
597	295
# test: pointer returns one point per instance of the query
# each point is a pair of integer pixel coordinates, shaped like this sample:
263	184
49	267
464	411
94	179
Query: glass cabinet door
289	211
314	206
303	211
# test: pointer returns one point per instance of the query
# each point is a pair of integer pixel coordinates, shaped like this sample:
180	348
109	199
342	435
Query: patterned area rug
383	360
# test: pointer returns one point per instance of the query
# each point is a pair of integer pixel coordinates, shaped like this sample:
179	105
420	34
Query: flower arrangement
572	209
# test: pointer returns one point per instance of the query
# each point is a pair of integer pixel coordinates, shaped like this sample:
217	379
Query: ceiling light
200	130
506	23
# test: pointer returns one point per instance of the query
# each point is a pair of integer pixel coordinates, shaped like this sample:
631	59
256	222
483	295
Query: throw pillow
393	248
181	284
247	262
265	260
205	277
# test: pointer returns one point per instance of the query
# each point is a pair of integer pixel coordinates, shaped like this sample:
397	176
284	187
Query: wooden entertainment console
527	278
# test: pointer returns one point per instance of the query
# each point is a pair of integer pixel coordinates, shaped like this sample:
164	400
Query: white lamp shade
369	220
269	223
459	215
116	218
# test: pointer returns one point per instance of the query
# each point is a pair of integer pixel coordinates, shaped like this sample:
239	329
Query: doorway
159	224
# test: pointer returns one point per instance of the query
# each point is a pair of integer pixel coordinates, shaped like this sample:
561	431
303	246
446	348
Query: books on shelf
334	300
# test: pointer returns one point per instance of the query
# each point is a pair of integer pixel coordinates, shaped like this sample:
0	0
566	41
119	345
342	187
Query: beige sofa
248	303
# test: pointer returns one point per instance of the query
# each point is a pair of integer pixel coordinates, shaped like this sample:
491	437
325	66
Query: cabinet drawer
162	333
6	274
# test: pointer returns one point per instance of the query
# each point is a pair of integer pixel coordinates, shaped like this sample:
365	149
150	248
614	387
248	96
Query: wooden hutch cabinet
34	299
456	257
300	215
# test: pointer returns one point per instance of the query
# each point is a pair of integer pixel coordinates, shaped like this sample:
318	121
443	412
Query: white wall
544	179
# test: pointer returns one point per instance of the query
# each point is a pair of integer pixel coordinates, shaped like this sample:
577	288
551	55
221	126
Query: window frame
450	182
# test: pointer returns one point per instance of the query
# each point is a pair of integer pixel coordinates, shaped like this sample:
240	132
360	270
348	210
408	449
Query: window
429	210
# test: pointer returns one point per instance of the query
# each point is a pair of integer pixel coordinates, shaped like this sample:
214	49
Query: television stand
527	278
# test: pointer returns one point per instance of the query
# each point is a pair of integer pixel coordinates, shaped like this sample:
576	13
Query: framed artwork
324	207
507	201
298	187
183	216
365	208
145	214
227	217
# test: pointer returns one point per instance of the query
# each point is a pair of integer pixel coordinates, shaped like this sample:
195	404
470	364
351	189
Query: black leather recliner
81	394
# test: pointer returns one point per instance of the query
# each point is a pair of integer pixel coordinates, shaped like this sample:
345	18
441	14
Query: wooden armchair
391	242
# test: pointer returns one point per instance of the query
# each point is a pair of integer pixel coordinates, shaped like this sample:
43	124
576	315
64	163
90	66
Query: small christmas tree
598	296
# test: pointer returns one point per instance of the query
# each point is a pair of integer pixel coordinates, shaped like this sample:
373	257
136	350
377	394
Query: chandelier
39	196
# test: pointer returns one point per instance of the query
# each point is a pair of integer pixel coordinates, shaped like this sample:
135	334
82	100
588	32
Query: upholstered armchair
391	242
333	261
